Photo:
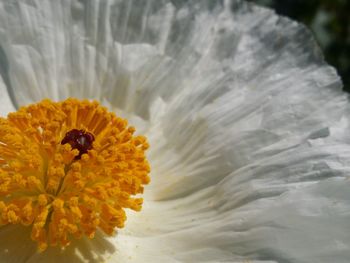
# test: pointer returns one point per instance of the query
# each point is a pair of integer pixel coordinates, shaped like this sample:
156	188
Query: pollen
68	169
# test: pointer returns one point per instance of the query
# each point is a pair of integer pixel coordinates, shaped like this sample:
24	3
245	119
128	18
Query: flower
245	120
69	169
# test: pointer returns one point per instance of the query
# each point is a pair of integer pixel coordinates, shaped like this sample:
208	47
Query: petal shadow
17	247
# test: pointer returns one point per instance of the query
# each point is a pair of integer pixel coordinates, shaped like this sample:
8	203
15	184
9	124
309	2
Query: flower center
80	140
68	169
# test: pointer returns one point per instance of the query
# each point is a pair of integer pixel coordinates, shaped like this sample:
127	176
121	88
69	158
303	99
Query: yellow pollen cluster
44	186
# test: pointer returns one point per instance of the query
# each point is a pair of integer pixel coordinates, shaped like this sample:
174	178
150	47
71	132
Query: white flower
244	118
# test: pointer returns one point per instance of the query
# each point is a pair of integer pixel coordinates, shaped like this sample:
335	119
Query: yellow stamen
57	190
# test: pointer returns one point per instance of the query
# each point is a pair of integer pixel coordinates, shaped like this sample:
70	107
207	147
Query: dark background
329	20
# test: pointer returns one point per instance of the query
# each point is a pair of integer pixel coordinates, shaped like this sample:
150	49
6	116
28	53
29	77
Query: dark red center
80	140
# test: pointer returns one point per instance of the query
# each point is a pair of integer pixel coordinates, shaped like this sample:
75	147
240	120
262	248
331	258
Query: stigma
80	140
68	169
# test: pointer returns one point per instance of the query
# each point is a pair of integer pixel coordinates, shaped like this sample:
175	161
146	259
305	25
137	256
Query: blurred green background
330	22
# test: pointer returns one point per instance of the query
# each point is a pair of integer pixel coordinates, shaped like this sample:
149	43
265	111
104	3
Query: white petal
274	210
6	105
268	92
308	224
